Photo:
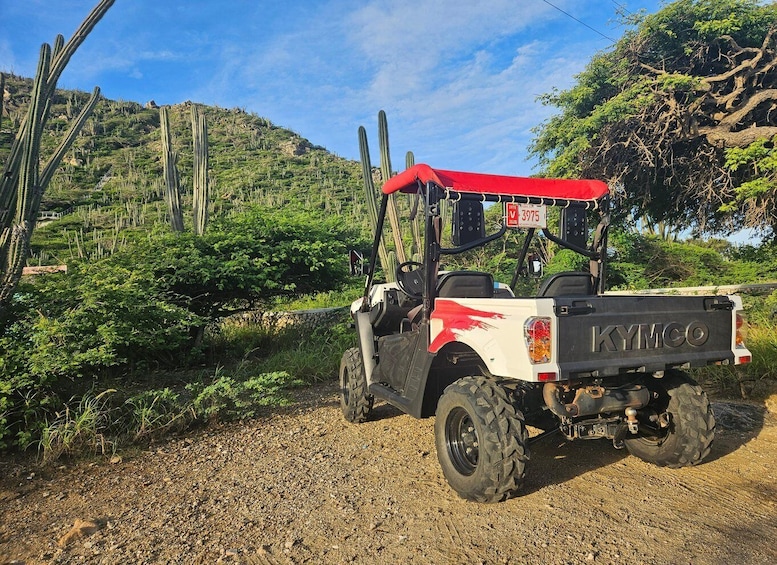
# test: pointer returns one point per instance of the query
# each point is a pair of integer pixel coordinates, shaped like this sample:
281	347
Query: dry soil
301	485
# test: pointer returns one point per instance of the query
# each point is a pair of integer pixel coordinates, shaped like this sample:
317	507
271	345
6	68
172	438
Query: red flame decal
456	319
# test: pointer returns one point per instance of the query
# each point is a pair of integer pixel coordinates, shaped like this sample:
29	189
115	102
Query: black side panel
394	358
403	367
607	335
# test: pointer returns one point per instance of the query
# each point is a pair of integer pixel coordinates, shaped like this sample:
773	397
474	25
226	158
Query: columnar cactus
392	264
2	98
172	185
415	223
200	189
22	184
385	172
369	189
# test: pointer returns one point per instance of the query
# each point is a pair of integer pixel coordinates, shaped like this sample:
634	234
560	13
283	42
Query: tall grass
258	367
310	354
79	428
759	377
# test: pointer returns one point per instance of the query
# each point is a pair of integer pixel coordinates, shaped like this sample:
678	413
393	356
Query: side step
391	396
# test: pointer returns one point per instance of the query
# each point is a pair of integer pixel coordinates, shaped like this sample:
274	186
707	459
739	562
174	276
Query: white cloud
409	42
458	81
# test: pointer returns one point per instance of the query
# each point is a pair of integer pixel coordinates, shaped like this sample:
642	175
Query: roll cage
469	191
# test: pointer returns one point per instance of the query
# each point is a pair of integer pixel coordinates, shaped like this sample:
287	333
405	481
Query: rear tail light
741	331
741	334
537	332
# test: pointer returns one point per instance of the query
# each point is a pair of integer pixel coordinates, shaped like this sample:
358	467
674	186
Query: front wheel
688	438
481	440
355	402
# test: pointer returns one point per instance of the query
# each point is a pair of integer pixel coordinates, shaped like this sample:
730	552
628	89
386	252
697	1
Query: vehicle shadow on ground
384	411
555	460
737	423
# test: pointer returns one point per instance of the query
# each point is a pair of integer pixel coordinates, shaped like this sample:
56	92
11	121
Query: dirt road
300	485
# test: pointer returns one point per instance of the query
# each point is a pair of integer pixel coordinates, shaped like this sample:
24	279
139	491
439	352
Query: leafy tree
640	261
146	306
247	259
679	116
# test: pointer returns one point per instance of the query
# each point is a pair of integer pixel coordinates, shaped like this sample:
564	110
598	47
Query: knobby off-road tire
355	402
481	440
688	439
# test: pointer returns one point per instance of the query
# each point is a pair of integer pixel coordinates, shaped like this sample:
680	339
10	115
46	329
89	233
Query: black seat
457	284
465	284
568	283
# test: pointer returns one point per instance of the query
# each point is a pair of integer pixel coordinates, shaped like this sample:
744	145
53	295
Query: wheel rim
462	440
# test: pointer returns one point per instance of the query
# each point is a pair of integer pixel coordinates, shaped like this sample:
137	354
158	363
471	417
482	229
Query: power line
622	7
579	21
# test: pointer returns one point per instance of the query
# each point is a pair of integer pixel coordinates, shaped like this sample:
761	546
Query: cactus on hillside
2	98
200	189
22	183
392	263
170	170
372	209
385	171
415	223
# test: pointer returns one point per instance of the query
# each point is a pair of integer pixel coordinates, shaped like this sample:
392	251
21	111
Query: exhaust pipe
592	400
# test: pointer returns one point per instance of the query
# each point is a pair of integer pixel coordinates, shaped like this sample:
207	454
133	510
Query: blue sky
458	80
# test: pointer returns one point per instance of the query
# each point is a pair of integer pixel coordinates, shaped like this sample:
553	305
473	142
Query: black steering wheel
410	278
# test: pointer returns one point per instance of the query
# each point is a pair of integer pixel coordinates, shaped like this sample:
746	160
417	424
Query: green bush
91	322
249	258
146	308
94	317
229	398
639	261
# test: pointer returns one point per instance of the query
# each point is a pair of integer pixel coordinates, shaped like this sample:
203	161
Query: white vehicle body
457	345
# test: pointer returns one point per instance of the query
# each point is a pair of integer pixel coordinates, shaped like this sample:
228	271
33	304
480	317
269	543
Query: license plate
526	215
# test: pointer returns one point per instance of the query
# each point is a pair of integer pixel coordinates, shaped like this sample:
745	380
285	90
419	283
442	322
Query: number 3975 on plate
525	215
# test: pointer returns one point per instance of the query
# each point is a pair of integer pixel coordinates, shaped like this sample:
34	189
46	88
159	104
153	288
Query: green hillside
110	186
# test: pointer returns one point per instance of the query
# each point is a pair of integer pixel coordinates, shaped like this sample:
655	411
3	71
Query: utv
487	364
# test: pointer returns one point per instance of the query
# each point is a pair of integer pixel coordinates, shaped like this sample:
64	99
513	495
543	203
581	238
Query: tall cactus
172	184
385	172
415	223
22	183
372	209
62	54
2	98
200	189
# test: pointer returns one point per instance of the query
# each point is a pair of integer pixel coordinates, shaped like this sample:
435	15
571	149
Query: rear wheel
355	402
688	437
481	440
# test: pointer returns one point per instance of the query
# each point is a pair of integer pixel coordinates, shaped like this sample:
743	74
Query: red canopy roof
497	185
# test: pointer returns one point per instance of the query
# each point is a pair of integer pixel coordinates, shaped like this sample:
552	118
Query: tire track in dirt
300	485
